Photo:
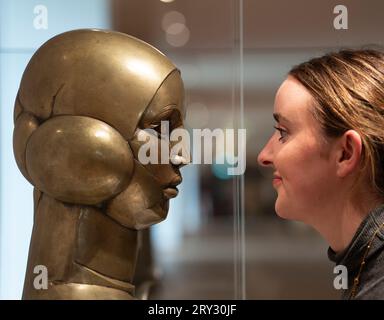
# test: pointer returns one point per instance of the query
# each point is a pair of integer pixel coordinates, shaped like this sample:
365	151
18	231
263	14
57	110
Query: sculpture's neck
86	253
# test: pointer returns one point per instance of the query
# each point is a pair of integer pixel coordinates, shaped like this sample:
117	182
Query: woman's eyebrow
278	117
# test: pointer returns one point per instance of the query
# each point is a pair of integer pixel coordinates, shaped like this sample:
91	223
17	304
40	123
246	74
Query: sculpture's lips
176	181
171	191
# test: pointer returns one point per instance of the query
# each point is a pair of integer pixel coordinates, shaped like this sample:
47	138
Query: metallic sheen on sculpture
83	99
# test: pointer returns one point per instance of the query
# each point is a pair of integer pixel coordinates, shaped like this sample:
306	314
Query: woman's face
305	175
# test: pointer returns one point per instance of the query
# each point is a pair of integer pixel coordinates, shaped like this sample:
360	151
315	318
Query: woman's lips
276	180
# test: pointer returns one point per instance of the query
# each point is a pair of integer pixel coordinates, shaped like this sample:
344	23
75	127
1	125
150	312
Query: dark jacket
371	282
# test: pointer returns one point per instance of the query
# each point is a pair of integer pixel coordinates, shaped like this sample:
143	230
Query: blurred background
222	239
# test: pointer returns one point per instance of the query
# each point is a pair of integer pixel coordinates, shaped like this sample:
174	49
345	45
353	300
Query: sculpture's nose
180	161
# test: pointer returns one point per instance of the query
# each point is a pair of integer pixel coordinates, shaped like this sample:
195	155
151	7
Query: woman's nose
265	157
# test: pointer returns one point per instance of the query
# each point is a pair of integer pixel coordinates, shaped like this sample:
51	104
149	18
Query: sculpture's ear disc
78	159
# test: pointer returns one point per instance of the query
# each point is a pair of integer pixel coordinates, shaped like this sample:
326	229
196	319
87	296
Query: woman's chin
282	211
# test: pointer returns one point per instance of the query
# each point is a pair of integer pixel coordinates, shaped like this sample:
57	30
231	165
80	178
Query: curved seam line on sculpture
53	103
103	276
62	283
36	118
37	204
26	144
150	101
21	106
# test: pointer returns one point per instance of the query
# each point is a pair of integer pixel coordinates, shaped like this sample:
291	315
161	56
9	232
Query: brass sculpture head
83	100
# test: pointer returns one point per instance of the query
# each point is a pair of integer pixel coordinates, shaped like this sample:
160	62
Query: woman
327	154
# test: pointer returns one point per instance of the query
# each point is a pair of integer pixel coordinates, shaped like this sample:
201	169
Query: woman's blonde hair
348	88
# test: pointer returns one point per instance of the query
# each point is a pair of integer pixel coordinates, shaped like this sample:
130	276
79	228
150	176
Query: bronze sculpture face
83	99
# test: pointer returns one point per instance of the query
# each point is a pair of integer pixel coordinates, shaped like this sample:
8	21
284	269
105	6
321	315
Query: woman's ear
349	152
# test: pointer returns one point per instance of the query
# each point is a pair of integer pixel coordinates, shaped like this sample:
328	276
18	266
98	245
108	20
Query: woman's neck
340	223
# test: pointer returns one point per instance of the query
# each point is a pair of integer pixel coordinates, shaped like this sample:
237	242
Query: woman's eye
282	132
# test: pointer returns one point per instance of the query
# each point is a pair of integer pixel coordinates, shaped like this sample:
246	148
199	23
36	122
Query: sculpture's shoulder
76	291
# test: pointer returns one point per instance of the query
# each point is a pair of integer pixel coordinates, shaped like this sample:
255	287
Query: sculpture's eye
169	114
175	119
157	128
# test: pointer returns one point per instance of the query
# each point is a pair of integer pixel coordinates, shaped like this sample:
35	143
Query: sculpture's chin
151	216
141	204
138	219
